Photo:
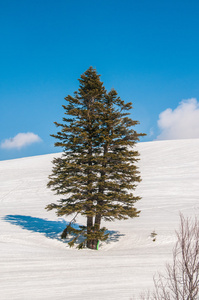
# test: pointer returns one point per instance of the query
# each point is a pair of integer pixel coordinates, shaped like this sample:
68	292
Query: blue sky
147	50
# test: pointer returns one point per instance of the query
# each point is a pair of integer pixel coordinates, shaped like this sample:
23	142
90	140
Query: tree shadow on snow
114	236
51	229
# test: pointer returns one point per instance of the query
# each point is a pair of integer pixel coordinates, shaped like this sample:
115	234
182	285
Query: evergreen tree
97	172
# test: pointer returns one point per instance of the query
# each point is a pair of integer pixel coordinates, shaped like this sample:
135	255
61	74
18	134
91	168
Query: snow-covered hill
36	264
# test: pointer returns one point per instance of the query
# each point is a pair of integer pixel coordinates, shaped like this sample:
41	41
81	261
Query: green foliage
97	172
82	232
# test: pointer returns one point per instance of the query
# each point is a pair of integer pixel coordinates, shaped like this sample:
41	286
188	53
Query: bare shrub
181	279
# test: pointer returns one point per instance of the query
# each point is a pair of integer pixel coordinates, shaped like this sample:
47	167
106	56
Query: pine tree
97	172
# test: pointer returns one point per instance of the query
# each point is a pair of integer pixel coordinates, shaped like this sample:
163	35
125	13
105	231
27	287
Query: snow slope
36	264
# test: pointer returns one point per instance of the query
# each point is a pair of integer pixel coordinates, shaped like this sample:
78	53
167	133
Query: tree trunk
97	228
98	216
89	242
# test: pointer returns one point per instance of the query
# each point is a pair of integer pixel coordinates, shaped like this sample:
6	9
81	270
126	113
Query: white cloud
151	132
20	140
180	123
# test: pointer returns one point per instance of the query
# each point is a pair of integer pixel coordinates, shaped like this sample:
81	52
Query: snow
36	264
